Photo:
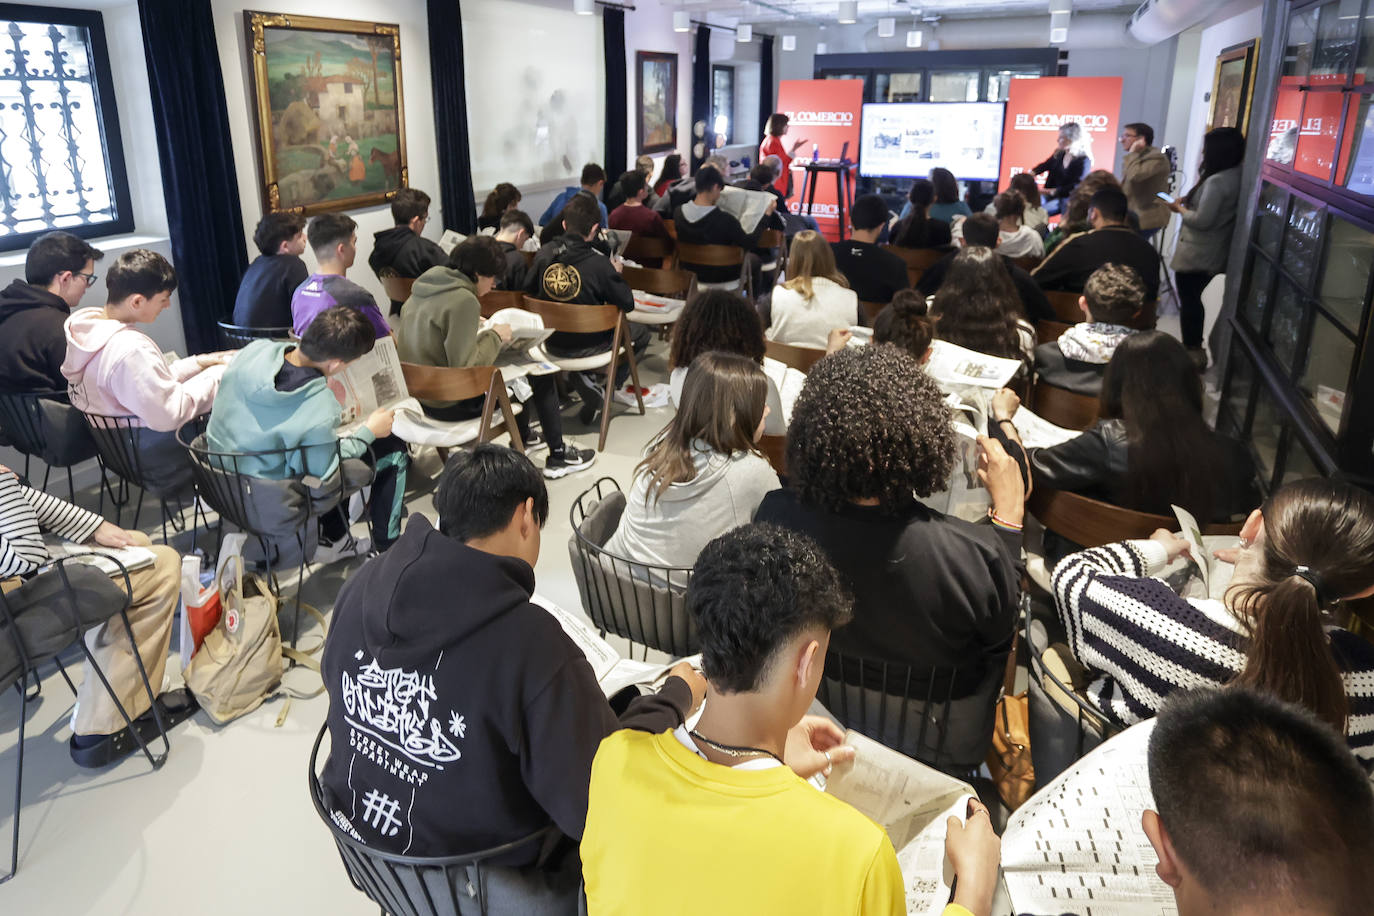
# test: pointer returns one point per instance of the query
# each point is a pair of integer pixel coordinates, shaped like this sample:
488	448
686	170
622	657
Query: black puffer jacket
32	342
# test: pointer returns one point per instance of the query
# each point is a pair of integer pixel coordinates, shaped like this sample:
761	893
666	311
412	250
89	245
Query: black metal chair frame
222	485
28	666
377	874
21	417
117	444
236	336
599	587
1085	712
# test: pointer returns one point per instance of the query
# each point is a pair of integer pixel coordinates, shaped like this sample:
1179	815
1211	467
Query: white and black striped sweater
1141	641
24	514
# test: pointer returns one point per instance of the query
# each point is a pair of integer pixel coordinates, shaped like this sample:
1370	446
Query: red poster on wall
825	113
1037	107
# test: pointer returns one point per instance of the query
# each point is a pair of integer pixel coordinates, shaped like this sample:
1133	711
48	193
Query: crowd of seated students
982	229
1033	213
1112	299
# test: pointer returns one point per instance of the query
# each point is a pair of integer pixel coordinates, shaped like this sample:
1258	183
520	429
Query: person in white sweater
816	299
703	474
1014	238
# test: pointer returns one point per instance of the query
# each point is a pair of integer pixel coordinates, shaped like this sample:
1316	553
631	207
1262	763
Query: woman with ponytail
1276	628
917	229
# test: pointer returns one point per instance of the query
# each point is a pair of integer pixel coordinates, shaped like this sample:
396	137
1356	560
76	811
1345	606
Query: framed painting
331	128
1233	86
656	101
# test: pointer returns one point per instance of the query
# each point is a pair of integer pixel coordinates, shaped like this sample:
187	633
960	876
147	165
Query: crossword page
1077	845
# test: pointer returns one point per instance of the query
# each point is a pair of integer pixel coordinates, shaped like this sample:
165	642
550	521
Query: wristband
1003	523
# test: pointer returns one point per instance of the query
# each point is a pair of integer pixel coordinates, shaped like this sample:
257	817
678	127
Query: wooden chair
675	284
691	256
774	448
499	299
1047	331
868	311
799	358
572	318
397	288
1065	305
528	256
1027	262
1063	407
1092	523
651	252
446	383
671	227
773	238
918	260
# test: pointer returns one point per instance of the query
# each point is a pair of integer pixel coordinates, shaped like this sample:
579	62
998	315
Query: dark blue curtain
617	118
198	176
767	97
701	97
457	197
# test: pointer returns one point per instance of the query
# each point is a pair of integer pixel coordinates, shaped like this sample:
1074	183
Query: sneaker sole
538	447
556	473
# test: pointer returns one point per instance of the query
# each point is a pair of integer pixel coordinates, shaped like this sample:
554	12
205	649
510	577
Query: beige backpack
240	663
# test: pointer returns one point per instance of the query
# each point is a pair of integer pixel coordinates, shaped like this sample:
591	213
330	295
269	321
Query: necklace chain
736	751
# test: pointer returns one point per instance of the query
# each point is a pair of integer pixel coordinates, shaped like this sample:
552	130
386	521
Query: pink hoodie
112	368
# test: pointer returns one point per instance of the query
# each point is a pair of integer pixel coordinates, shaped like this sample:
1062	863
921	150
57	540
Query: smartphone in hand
1164	197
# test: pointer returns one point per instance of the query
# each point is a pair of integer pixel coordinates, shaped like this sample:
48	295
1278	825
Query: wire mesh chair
408	886
46	628
121	444
37	424
269	509
642	603
914	711
236	336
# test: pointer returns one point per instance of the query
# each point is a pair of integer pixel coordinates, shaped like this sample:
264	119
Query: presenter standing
1071	160
773	146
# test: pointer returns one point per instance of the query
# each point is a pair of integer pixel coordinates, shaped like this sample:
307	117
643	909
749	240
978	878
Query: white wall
416	94
1211	41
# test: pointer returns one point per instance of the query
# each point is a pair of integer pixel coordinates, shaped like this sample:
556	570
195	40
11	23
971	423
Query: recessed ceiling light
744	33
849	12
1059	20
1061	6
789	42
682	21
584	7
887	27
1058	36
913	38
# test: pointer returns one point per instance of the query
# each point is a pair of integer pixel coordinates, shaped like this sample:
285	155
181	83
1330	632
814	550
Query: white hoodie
114	369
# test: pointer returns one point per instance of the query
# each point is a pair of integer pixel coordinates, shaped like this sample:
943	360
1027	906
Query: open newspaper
524	353
748	207
913	803
952	366
612	672
1214	574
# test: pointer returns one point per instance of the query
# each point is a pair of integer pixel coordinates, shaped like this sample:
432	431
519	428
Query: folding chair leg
154	761
138	510
607	399
18	788
634	373
71	485
47	472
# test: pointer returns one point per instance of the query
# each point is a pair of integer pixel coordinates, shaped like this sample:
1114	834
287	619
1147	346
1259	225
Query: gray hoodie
672	530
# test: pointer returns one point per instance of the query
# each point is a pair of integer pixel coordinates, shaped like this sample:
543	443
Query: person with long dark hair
703	473
947	204
917	229
1152	448
673	171
772	145
1071	160
1275	629
1208	216
505	196
977	307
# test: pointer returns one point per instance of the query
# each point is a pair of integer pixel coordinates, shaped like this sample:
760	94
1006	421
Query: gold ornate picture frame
330	121
1233	87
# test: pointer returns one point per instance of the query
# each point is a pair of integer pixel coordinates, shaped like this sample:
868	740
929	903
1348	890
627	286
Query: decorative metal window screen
55	168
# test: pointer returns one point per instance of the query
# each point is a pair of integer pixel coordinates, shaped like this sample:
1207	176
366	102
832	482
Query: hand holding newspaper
1215	574
612	672
749	207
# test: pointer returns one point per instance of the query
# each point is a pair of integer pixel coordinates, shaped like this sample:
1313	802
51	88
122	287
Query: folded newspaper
133	557
952	365
1214	575
913	803
612	672
749	207
524	355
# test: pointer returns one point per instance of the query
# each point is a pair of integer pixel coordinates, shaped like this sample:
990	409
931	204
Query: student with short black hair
510	710
264	296
1258	808
593	182
728	797
402	250
1112	298
114	369
276	396
58	269
334	239
874	273
513	231
632	215
701	222
1109	241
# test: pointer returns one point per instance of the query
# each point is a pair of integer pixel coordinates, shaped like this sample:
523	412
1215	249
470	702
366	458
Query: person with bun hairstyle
1276	629
505	196
905	324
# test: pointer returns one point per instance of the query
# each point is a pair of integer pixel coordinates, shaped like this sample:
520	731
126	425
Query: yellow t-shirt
668	832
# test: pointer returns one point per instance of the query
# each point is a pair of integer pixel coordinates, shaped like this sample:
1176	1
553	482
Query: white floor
226	825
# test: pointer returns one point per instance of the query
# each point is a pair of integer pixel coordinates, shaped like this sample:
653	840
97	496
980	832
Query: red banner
1037	107
825	113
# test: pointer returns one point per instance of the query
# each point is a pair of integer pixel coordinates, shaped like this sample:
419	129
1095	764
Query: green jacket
440	324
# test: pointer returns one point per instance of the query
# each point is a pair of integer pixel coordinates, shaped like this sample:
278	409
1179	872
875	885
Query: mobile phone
1164	197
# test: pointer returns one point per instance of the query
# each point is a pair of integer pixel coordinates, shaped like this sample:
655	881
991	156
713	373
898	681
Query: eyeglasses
89	278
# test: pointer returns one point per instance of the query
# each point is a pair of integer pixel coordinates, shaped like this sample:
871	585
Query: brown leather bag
1009	758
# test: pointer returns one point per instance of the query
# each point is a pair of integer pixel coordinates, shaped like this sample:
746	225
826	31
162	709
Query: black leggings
544	402
1192	316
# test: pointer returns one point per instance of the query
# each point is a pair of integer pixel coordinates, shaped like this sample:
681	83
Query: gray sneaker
572	460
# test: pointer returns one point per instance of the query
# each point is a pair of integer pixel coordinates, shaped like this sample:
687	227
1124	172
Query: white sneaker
345	548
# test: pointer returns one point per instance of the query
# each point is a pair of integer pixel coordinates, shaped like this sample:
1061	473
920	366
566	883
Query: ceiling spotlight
1058	36
820	47
744	33
1061	6
584	7
849	12
789	42
1059	20
887	27
913	38
682	21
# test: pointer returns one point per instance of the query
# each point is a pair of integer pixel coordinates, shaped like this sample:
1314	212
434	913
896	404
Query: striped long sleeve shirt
24	514
1140	641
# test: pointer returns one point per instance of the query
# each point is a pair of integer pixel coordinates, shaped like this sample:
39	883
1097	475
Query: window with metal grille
61	160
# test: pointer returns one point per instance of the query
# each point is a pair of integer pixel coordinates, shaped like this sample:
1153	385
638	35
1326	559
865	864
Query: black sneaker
572	460
534	442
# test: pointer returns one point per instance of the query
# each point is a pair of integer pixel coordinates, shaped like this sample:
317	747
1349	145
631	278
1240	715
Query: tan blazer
1144	174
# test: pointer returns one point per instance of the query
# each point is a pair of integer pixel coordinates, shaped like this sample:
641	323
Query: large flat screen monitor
909	139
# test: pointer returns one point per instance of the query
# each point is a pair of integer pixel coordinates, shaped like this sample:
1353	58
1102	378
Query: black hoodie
32	341
571	269
461	715
404	251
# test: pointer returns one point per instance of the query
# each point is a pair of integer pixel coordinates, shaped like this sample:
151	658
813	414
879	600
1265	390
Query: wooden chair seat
799	358
447	383
1092	523
1063	407
499	299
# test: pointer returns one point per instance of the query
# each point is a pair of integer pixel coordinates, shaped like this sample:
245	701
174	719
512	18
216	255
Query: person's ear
528	525
1083	304
1253	527
925	357
810	656
1168	869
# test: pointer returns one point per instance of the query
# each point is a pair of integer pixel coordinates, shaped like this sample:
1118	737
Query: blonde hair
809	257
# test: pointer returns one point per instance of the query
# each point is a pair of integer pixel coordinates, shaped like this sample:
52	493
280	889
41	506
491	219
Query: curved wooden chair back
1027	262
710	255
1065	305
918	260
671	227
774	448
573	317
869	311
1092	523
1065	408
528	256
499	299
647	250
799	358
446	383
680	284
1047	331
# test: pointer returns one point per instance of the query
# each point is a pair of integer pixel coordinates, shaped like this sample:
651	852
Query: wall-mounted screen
909	139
